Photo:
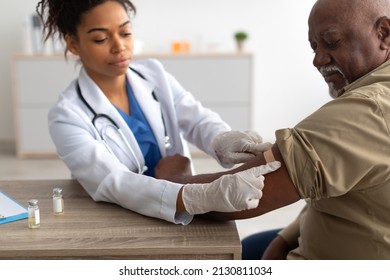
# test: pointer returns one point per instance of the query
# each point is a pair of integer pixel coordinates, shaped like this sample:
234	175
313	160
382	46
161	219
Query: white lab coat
114	178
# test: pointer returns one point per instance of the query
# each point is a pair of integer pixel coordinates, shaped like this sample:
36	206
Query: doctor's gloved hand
229	193
234	147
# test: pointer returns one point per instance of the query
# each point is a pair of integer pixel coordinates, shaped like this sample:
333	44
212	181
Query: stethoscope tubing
113	124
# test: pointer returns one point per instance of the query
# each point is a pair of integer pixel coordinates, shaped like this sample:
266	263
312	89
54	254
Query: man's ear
383	27
71	44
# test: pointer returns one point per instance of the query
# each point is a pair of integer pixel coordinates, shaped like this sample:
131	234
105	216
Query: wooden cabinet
222	82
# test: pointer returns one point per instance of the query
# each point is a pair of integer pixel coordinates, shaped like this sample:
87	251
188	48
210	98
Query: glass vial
58	202
34	220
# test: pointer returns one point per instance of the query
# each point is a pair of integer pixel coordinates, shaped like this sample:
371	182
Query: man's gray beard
334	93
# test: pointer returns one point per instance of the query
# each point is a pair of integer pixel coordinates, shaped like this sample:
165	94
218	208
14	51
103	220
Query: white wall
287	87
11	20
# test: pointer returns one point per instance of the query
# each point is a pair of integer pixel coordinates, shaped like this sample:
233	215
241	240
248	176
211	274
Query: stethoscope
113	124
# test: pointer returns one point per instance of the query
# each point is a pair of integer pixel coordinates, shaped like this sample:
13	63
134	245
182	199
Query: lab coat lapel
100	103
151	108
93	95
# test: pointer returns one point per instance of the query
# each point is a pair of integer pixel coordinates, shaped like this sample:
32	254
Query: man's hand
277	249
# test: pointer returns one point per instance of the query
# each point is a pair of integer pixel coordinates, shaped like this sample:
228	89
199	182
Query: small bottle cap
57	191
33	202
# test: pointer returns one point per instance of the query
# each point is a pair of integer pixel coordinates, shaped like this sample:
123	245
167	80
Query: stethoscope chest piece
167	142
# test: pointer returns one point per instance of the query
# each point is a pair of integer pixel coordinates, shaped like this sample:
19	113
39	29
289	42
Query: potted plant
240	37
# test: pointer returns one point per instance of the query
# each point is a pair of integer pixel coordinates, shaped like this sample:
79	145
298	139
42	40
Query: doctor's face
104	41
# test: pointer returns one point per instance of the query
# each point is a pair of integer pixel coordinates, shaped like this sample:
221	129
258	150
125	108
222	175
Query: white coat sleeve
101	173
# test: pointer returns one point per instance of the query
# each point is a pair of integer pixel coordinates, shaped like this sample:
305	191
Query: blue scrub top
142	131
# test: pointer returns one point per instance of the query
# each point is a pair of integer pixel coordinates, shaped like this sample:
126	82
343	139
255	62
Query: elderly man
338	158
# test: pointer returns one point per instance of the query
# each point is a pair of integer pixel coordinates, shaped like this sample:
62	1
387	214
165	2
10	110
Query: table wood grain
97	230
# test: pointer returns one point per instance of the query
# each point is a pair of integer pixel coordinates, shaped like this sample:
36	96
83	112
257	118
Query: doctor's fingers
254	136
268	168
257	148
249	180
263	169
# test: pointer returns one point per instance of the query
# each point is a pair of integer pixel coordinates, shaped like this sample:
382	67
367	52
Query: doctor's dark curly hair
63	16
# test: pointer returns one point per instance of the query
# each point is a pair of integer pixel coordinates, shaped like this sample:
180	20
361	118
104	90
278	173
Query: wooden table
90	230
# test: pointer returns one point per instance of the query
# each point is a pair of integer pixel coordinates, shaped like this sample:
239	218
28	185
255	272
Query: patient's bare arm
278	191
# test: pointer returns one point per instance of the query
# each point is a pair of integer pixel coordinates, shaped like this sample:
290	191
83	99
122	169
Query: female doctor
113	124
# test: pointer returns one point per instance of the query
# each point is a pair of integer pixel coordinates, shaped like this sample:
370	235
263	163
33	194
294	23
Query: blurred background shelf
221	81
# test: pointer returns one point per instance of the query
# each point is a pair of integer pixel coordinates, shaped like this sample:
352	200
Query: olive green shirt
339	161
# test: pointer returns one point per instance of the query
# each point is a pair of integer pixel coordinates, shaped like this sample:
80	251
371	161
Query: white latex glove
229	193
234	147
